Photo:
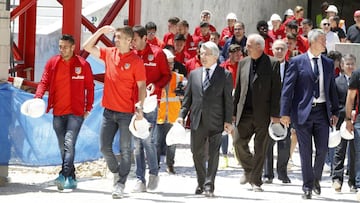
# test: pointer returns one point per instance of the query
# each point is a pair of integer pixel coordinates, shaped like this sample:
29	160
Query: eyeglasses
237	28
326	24
151	33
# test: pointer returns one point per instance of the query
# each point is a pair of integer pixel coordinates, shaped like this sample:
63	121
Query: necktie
206	83
316	72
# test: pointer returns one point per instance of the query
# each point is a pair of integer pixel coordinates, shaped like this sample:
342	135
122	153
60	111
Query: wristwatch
348	119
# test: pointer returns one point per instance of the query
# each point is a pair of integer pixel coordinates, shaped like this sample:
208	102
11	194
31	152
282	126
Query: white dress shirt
321	98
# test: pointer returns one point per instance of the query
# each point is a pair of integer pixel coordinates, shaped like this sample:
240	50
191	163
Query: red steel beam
71	23
22	8
107	20
27	40
134	12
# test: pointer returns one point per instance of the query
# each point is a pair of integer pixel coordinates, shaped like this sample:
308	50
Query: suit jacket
214	105
297	93
265	92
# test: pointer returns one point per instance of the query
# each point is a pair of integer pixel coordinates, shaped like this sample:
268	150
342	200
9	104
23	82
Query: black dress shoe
317	188
199	190
208	191
306	195
285	180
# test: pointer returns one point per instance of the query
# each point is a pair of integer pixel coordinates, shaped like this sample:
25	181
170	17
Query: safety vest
170	104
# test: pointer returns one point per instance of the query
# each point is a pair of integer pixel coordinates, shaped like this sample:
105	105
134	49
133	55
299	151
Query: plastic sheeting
32	141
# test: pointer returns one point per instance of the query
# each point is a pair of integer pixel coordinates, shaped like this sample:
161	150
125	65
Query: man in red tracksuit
68	79
158	75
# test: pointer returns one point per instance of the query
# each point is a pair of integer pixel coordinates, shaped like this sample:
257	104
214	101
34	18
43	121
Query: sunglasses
326	24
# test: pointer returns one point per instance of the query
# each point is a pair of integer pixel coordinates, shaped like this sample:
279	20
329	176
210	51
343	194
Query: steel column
71	23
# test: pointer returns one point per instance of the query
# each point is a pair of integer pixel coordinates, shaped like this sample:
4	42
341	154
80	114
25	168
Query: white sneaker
153	182
118	191
139	187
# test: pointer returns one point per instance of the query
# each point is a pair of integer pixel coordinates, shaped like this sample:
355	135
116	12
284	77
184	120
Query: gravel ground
35	184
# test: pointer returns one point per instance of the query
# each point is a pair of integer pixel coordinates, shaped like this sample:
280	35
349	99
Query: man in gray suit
256	103
208	96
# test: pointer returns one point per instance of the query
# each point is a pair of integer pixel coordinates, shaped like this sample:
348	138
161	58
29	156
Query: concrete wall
249	12
4	41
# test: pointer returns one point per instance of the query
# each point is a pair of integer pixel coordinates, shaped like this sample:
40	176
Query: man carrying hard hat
68	79
169	108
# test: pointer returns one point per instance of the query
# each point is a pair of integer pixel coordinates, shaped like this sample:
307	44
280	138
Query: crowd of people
216	83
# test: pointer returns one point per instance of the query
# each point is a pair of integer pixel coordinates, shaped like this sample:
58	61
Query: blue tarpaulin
32	141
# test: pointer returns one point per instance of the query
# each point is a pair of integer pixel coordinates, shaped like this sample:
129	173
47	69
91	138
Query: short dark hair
150	26
261	23
335	55
215	34
292	24
184	23
127	30
67	37
291	36
174	20
307	21
140	30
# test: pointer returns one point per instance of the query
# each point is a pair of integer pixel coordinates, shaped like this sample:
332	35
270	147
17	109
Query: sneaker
336	185
153	182
118	191
170	169
139	187
70	183
256	188
60	182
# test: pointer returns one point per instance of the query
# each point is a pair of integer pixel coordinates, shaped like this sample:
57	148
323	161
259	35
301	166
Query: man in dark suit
309	97
208	95
342	84
256	103
279	49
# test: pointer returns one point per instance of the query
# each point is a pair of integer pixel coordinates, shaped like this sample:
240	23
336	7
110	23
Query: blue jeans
357	153
113	121
67	128
149	145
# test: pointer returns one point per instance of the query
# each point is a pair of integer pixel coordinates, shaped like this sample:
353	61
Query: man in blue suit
309	98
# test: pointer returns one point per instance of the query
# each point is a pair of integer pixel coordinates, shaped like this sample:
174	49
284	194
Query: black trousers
199	139
251	163
283	155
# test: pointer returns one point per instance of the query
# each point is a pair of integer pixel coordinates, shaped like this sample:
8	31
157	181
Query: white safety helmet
334	138
344	133
150	103
277	131
176	135
139	128
33	108
231	16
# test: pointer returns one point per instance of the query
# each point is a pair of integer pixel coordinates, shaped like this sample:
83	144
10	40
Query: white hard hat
176	135
289	12
231	16
344	133
332	8
150	102
275	17
33	108
277	131
139	128
168	54
334	138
